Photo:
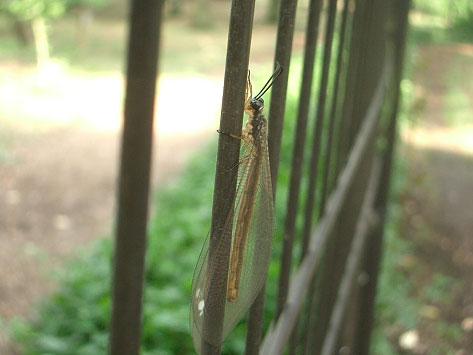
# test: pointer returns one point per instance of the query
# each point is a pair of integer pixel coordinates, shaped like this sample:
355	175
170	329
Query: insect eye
257	104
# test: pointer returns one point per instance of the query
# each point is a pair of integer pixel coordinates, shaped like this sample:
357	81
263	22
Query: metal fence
332	290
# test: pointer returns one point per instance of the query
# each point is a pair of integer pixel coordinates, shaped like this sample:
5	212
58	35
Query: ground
437	204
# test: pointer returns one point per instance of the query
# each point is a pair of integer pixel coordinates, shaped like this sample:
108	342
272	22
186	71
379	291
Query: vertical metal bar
280	332
369	70
318	127
134	180
375	241
332	118
236	69
310	47
369	65
313	173
333	108
351	80
298	153
287	16
337	247
340	132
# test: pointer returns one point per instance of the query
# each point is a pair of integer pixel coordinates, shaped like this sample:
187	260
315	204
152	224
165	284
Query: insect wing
256	258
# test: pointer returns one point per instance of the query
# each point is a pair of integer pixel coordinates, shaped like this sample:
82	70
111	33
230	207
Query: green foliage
89	3
453	10
449	331
30	9
435	17
432	7
381	343
394	306
442	289
74	320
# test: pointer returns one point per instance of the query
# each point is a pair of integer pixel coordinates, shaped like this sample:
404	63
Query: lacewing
251	223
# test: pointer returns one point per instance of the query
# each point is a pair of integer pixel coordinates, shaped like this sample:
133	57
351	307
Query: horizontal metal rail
278	335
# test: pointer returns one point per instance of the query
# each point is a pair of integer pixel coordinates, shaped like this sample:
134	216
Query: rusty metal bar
278	336
134	180
287	16
236	69
375	240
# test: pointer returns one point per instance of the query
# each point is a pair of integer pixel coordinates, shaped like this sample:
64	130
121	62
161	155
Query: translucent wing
255	252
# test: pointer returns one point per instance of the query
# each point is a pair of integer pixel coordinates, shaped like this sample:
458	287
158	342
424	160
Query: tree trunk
22	32
40	34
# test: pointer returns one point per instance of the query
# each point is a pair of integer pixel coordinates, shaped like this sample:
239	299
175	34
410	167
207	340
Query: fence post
134	180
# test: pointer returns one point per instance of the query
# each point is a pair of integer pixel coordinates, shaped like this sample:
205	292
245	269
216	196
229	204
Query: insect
251	224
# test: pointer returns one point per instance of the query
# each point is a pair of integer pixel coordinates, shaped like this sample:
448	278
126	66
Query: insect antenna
270	81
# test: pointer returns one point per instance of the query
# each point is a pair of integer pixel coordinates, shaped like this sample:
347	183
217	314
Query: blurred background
61	90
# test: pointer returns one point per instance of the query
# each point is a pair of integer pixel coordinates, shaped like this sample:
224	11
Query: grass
442	289
395	309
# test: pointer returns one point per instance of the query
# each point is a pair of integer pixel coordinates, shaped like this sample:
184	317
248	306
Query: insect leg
229	134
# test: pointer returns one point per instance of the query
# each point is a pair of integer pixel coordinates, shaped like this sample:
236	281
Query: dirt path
56	196
438	203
